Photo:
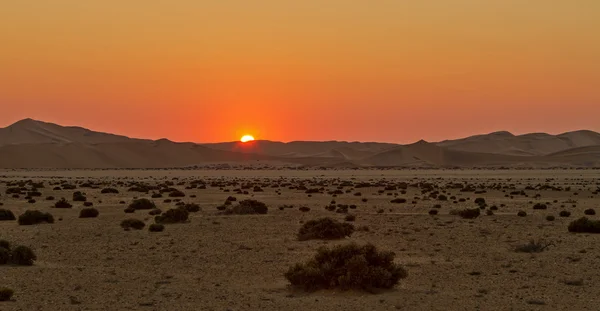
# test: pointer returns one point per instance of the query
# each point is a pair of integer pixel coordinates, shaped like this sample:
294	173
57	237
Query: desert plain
238	262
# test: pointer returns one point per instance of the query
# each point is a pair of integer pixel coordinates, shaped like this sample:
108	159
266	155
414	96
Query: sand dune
527	144
35	144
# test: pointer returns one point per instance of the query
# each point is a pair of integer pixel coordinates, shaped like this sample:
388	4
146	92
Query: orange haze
366	70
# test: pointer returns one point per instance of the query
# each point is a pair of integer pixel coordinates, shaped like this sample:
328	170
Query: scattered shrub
398	200
521	214
350	217
172	216
177	194
156	228
79	197
4	255
32	217
22	256
324	229
564	214
304	209
109	190
433	212
6	293
584	225
192	207
88	204
469	213
6	215
129	210
246	207
589	211
533	247
155	212
347	267
540	206
142	204
132	223
550	218
88	213
62	203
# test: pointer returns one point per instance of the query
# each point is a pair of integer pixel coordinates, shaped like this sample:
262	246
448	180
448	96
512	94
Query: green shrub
324	229
32	217
6	215
22	256
469	213
172	216
132	223
584	225
141	204
6	293
62	203
88	213
156	228
347	267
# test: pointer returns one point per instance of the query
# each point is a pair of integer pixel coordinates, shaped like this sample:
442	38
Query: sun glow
247	138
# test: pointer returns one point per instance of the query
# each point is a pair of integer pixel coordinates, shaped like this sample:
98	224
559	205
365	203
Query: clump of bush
141	204
156	228
521	213
22	256
540	206
62	203
172	216
324	229
4	255
79	197
564	214
192	207
132	223
32	217
6	293
350	217
89	213
6	215
347	267
246	207
398	200
533	247
176	194
469	213
589	211
584	225
550	218
109	190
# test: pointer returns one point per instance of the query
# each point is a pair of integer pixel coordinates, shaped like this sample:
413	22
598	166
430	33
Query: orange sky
384	70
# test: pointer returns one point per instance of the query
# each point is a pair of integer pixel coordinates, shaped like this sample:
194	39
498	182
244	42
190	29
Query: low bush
4	255
22	256
469	213
433	212
564	214
172	216
246	207
142	204
584	225
550	218
324	229
88	213
398	201
6	293
32	217
109	190
540	206
156	228
62	203
132	223
533	247
350	217
192	207
347	267
79	197
589	211
6	215
177	194
521	214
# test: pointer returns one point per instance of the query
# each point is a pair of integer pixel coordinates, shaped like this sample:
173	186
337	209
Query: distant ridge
35	144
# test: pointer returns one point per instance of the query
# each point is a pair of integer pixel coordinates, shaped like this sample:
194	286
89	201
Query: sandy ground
237	262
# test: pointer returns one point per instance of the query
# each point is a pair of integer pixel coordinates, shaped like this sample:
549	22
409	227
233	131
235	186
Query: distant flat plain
218	262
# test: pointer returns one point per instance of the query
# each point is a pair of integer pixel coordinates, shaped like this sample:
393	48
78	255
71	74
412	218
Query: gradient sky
366	70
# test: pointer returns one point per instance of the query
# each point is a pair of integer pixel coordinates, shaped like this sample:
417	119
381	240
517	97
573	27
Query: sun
247	138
